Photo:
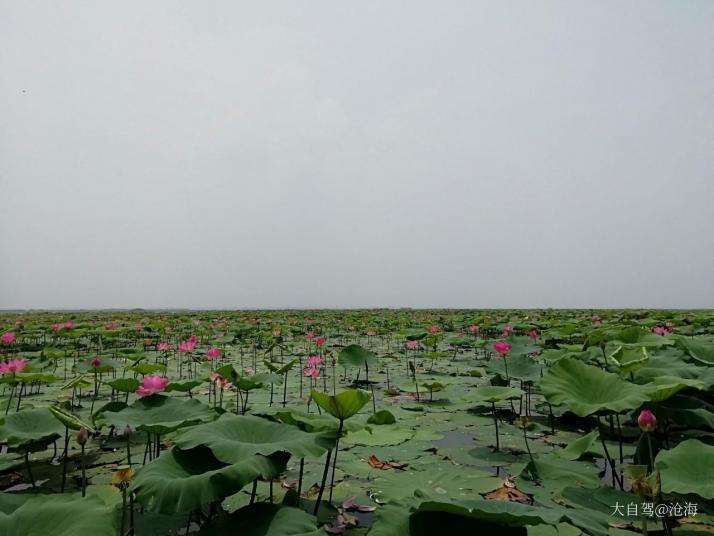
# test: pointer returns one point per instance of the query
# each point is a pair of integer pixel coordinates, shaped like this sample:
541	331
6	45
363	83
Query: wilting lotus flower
314	361
412	345
8	338
596	320
163	347
309	335
647	421
96	363
111	327
533	334
371	333
474	328
138	326
669	326
461	333
13	366
168	329
320	341
507	330
213	353
276	333
434	329
152	385
502	348
312	372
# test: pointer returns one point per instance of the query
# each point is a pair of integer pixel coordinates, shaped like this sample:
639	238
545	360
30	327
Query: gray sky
326	154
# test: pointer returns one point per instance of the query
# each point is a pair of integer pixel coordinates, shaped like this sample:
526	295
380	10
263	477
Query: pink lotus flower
221	382
13	366
434	329
276	333
596	320
314	361
8	338
168	329
412	345
312	372
669	326
111	327
309	335
188	346
138	326
371	333
647	421
308	320
507	330
163	347
213	353
152	385
63	325
474	328
502	348
659	330
533	334
320	341
221	335
96	362
461	333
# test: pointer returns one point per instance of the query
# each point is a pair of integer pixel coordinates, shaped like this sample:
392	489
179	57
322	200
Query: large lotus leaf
438	483
160	414
60	515
69	419
520	367
521	346
592	508
492	393
579	447
183	387
309	422
30	426
263	519
504	513
181	481
584	389
698	349
669	362
628	358
688	410
356	356
344	405
124	385
688	468
554	473
663	387
233	437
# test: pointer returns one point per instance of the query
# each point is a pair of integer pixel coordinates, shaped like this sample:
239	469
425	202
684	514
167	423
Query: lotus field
385	422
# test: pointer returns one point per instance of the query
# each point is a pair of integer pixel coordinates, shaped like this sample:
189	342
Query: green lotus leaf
124	385
60	515
492	394
181	481
585	389
555	473
520	367
579	447
700	350
382	417
344	405
183	387
160	414
379	436
688	468
628	358
69	419
30	427
234	437
663	387
356	356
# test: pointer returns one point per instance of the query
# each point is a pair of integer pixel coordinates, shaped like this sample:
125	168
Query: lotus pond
386	422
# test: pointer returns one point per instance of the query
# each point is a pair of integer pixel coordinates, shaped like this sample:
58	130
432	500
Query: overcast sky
334	154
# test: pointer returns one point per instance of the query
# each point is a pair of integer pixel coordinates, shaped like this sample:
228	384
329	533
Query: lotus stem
84	477
29	469
495	422
302	470
324	481
334	460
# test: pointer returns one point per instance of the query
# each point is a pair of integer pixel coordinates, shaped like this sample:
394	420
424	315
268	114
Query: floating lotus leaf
688	468
492	393
379	436
181	481
579	447
160	414
60	515
233	437
700	350
585	389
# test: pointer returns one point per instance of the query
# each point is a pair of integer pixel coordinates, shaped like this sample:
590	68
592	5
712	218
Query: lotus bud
82	436
647	421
